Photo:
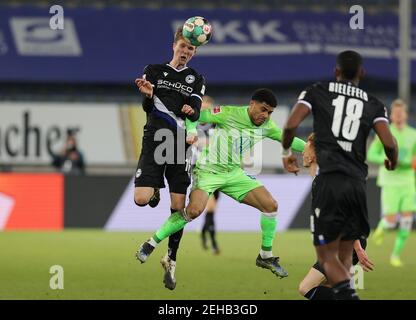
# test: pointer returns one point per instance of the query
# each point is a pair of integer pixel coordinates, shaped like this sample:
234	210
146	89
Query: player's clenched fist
145	87
187	109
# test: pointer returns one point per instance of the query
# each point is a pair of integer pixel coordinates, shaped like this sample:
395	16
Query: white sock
152	242
265	254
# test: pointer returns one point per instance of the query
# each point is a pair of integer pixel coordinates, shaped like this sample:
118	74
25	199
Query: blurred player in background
172	93
219	168
398	190
343	115
205	130
315	285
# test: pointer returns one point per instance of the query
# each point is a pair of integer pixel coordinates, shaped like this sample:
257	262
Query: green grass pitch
101	265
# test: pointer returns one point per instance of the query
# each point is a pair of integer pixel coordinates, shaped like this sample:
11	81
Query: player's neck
400	126
176	64
313	168
353	81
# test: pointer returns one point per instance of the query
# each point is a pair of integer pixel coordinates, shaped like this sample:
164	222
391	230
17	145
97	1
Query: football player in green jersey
398	190
237	130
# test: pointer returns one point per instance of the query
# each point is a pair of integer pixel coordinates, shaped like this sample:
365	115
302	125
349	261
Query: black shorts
355	260
151	171
339	208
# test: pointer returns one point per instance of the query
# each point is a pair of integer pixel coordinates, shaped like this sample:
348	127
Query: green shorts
398	200
235	183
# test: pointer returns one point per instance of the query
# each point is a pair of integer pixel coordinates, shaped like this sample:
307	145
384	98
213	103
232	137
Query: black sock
343	291
320	293
209	222
174	240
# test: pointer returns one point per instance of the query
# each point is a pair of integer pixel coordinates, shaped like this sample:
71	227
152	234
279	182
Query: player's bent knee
140	200
193	212
270	208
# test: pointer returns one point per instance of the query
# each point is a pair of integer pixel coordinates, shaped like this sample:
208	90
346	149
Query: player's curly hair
349	62
311	138
266	96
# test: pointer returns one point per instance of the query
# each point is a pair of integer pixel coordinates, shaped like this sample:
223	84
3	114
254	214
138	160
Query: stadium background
82	78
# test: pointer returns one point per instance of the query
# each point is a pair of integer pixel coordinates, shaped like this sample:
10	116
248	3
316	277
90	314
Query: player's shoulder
227	109
373	100
154	67
412	130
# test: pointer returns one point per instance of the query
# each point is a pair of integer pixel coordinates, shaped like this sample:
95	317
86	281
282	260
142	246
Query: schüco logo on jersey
174	85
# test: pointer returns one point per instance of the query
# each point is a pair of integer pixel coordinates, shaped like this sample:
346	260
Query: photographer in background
70	160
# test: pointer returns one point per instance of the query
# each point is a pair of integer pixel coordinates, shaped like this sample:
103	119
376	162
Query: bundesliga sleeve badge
216	110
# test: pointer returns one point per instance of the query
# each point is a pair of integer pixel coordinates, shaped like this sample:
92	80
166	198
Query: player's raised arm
193	109
297	145
298	114
389	142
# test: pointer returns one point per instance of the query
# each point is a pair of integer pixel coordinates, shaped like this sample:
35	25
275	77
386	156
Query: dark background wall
89	201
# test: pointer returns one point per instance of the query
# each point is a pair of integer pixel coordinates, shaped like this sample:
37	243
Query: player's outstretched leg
405	227
173	224
265	259
261	199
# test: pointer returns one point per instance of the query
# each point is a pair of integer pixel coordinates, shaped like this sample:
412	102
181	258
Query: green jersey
234	134
403	175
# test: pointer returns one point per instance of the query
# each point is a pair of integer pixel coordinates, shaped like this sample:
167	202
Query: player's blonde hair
311	138
178	35
399	103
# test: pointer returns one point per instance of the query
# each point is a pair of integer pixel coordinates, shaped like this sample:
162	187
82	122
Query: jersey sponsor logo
190	78
161	83
216	110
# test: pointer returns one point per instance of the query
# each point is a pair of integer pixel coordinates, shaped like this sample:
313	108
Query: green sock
175	222
401	239
268	229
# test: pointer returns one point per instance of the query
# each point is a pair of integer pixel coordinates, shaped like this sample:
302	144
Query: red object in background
414	163
37	201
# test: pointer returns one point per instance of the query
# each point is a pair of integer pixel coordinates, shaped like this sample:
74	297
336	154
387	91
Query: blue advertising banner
112	45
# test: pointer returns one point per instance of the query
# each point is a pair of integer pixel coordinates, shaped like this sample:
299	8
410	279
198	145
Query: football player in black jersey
343	115
314	285
172	93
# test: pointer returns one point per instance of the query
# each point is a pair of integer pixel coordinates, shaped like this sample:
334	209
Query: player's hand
365	262
187	109
145	87
390	165
291	164
191	138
